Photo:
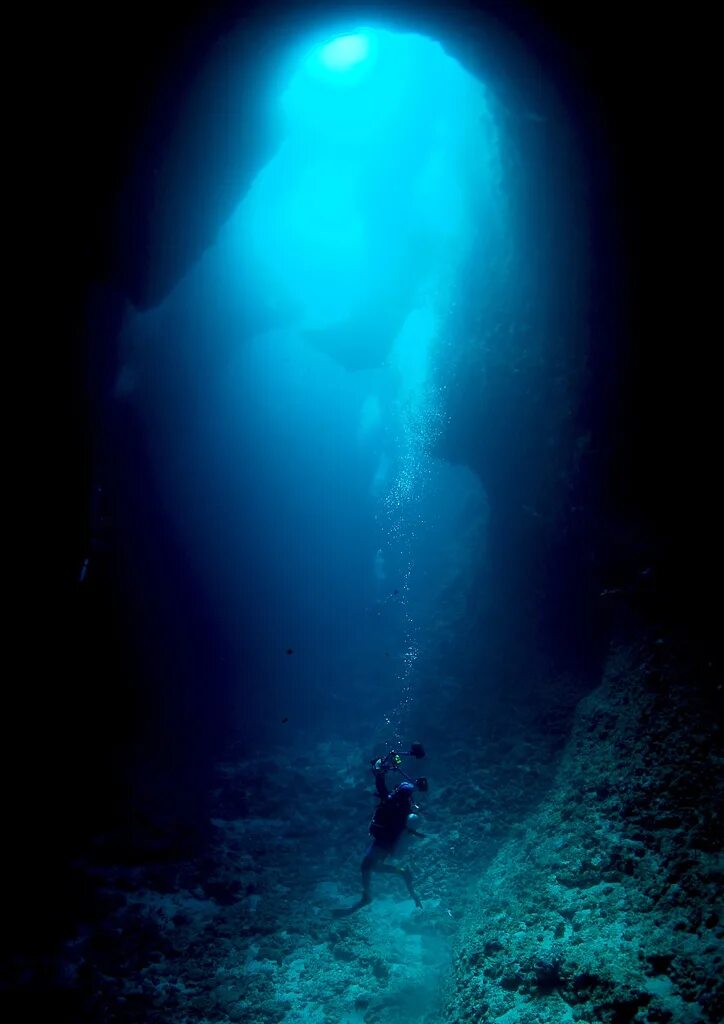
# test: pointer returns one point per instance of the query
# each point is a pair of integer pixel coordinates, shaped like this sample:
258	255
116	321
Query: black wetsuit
388	824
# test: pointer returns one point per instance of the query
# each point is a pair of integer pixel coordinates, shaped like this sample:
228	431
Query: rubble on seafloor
579	883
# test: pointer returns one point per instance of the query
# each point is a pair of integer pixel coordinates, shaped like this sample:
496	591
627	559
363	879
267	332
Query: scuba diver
393	817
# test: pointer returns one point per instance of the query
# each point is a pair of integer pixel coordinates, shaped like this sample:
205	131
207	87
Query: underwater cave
367	467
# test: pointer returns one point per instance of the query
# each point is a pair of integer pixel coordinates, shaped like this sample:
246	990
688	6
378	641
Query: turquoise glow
325	321
344	52
388	167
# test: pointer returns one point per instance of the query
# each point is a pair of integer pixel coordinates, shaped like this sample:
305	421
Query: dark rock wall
606	904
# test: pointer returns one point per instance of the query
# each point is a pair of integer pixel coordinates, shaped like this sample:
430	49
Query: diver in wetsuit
394	816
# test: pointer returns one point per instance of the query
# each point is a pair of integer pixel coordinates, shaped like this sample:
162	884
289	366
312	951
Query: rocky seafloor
572	883
606	904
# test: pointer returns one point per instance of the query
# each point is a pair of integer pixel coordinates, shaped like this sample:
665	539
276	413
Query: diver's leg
368	865
406	875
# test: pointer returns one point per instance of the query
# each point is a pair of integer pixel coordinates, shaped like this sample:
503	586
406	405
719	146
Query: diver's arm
380	781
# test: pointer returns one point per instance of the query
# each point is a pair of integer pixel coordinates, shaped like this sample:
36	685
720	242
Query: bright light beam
345	52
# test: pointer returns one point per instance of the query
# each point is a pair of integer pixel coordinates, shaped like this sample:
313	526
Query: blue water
293	387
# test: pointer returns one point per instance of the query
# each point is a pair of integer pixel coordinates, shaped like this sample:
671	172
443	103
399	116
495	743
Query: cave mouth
296	377
359	232
384	178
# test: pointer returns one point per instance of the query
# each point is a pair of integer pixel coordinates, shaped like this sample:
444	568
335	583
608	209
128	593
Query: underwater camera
393	760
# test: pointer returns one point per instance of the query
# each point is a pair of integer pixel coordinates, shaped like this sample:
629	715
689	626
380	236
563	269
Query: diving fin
346	911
